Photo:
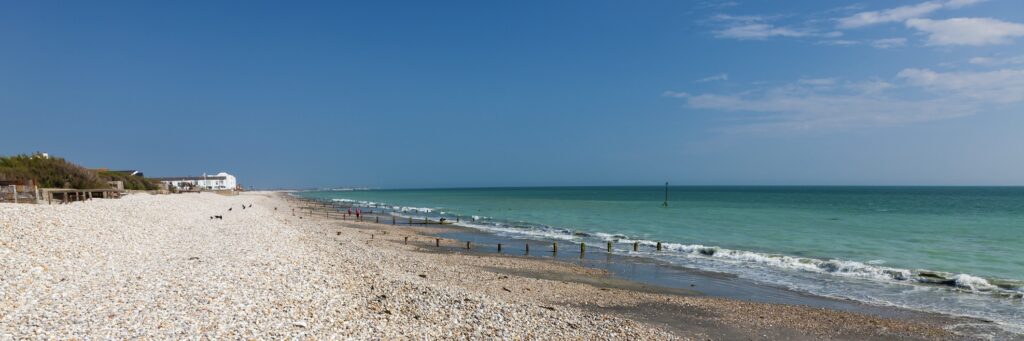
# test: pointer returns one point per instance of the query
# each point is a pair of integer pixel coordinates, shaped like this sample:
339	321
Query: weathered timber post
554	247
467	245
659	246
583	247
437	242
378	219
392	220
406	240
636	245
527	248
499	247
665	204
609	246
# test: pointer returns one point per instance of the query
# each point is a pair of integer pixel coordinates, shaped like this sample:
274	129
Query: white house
221	181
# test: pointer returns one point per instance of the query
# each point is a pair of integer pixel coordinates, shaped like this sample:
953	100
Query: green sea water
906	246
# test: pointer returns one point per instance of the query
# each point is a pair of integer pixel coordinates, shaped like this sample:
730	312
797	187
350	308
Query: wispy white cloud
889	43
817	81
998	86
716	4
996	61
869	87
787	108
900	14
838	42
806	105
758	31
967	31
713	78
753	27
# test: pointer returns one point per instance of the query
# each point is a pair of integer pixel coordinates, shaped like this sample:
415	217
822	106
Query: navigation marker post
665	204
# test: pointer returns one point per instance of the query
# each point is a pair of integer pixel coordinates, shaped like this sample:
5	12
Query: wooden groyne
304	207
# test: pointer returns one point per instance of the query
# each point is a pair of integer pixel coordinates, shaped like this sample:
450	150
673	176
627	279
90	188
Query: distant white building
221	181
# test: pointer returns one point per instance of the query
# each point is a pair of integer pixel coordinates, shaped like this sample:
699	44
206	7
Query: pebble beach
158	267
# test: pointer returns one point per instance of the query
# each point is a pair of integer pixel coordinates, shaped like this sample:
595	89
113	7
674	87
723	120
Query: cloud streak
998	86
889	43
967	31
714	78
754	28
994	61
808	106
900	14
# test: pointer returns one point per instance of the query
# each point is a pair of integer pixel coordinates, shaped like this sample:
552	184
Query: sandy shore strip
158	267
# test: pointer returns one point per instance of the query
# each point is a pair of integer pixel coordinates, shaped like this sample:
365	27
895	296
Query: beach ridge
149	266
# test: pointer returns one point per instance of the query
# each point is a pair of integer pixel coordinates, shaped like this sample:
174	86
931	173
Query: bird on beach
229	208
250	205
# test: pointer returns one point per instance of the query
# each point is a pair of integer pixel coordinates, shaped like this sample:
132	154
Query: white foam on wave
872	270
965	281
832	266
384	205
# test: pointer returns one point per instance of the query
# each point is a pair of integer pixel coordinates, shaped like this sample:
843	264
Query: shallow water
941	249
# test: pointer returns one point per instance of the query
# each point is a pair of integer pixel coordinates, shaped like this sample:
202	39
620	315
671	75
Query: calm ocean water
943	249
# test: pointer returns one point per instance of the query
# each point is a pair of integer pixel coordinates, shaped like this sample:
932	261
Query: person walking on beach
359	213
349	211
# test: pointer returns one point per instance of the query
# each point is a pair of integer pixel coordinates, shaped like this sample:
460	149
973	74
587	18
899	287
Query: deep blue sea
954	250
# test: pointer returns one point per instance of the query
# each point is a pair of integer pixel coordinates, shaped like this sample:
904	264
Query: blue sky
437	94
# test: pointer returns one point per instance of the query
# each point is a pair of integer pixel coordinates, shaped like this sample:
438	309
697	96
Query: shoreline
799	278
646	303
148	266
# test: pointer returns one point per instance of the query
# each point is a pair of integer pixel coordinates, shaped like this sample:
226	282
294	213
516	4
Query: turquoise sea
954	250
